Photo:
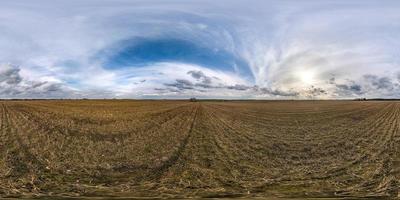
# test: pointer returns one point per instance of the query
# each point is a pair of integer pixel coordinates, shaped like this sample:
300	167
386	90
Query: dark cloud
379	82
181	84
13	85
36	85
315	92
202	82
350	88
10	75
167	90
370	85
52	88
284	93
205	84
238	87
262	90
196	74
199	75
141	81
356	88
275	92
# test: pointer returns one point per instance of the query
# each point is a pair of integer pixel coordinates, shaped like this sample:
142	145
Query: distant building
193	99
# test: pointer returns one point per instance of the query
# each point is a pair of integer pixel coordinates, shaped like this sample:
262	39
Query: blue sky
208	49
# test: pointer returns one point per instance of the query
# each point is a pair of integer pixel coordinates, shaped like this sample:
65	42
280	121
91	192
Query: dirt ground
208	149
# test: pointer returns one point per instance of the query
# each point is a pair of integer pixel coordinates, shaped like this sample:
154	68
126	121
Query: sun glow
307	77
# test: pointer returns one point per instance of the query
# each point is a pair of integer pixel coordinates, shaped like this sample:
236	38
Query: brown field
200	149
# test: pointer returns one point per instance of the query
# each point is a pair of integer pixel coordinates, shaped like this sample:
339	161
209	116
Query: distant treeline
376	99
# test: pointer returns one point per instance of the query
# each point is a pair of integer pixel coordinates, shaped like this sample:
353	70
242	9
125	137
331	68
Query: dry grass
200	149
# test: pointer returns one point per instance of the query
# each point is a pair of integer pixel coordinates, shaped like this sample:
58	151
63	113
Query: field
200	149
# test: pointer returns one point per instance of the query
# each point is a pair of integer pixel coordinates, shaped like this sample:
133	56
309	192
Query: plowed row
200	149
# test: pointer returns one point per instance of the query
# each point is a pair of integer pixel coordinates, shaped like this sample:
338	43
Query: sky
231	49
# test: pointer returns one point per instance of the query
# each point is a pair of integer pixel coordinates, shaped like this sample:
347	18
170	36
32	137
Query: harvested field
200	149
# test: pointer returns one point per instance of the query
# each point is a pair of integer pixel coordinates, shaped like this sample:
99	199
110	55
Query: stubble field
199	149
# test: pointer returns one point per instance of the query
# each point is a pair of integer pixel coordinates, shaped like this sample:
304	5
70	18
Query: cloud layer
13	85
179	49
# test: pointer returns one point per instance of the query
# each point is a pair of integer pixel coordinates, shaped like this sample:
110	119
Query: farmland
199	149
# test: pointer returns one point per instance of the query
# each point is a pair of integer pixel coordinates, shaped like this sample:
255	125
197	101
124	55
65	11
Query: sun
307	77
